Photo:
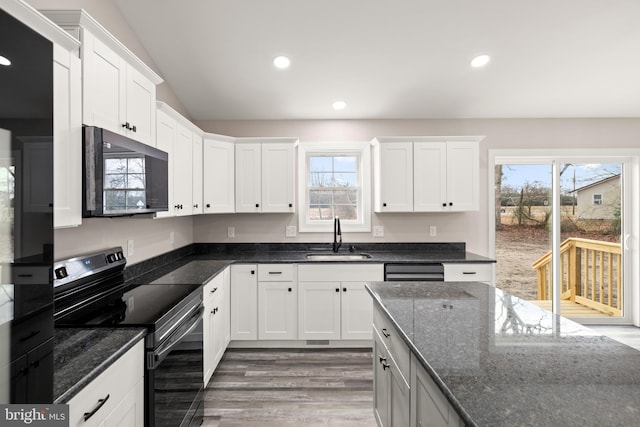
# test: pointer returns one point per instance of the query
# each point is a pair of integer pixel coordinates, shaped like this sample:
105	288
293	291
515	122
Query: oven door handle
161	352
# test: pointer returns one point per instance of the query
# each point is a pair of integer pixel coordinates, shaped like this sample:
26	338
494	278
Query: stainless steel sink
337	257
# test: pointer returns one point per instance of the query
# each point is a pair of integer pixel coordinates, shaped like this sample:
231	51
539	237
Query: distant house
599	200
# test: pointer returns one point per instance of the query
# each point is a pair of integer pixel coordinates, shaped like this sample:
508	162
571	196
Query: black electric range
90	292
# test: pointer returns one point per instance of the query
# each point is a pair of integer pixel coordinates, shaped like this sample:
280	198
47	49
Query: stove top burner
90	291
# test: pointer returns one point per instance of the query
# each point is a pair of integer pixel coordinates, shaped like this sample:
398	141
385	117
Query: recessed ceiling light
4	61
339	105
281	62
480	61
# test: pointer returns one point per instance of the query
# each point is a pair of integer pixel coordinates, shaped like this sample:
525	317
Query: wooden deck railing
591	273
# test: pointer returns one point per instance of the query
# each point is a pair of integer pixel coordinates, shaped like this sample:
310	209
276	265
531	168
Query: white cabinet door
277	311
130	411
219	179
182	171
462	176
319	310
213	324
278	190
429	407
197	177
356	311
248	177
67	139
265	177
244	302
141	107
430	186
165	136
104	85
394	183
381	383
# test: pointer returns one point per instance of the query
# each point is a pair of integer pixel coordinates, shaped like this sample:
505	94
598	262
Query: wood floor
291	387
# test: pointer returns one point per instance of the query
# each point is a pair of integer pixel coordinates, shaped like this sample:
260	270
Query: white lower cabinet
391	389
430	408
216	322
277	302
333	303
115	397
244	302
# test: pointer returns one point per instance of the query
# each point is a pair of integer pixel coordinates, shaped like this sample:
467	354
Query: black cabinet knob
450	203
337	289
290	205
253	272
384	204
195	206
344	289
290	289
208	205
257	205
444	204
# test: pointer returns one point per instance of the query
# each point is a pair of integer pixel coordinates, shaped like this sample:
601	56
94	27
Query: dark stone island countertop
80	355
502	361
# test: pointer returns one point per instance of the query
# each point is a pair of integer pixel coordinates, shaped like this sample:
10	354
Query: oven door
174	380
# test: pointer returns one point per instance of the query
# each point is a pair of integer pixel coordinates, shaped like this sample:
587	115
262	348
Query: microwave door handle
160	353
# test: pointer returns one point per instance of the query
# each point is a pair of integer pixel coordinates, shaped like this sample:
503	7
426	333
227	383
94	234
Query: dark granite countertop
80	355
502	361
202	262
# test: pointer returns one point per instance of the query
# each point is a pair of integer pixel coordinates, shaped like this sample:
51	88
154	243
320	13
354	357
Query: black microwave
122	177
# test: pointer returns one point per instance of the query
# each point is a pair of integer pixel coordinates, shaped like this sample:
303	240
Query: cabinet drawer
113	385
468	272
276	272
213	288
392	340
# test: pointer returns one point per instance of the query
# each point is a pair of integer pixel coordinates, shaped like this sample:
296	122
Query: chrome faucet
336	233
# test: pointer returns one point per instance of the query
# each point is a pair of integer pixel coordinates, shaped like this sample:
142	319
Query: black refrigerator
26	214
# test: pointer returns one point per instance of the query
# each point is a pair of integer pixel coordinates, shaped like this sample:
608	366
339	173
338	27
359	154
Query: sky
585	174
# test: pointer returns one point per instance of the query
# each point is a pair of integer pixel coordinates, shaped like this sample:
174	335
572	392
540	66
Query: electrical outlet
378	231
231	232
433	231
129	247
290	231
172	238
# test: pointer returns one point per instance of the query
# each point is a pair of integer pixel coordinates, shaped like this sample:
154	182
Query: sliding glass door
559	227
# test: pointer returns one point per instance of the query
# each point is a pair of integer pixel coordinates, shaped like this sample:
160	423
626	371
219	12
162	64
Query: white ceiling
395	58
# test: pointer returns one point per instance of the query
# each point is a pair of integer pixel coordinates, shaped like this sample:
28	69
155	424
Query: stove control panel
69	270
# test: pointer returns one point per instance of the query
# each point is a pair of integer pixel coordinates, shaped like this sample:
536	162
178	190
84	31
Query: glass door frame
630	158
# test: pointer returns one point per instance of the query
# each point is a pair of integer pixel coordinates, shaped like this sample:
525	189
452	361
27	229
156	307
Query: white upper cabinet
118	90
183	171
218	174
165	137
197	174
427	174
394	173
265	173
183	142
67	138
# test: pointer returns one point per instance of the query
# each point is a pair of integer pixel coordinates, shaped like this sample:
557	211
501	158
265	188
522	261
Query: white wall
151	237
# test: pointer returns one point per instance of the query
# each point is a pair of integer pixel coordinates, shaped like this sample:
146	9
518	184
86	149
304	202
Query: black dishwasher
424	272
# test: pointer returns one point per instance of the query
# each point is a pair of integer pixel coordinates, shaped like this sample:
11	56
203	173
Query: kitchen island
500	361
